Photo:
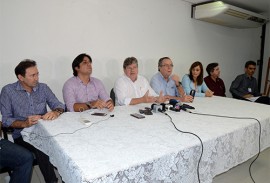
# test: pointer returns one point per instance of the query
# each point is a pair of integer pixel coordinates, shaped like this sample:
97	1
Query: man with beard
245	86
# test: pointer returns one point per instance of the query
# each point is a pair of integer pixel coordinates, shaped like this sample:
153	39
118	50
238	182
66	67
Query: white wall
54	32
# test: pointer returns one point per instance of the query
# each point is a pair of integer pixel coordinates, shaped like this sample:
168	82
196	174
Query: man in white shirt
132	89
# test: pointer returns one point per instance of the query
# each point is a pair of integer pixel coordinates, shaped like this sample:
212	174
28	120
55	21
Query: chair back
6	131
112	95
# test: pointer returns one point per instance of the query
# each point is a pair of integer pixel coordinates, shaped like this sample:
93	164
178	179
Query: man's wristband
179	84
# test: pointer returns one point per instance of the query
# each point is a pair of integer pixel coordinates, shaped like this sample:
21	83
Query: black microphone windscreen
173	102
152	106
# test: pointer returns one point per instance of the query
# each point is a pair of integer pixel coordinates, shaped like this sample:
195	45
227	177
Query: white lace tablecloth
125	149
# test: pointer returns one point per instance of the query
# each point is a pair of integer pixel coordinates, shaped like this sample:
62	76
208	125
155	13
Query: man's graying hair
130	60
160	61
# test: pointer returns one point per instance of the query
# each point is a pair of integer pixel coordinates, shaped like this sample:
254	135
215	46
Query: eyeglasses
167	65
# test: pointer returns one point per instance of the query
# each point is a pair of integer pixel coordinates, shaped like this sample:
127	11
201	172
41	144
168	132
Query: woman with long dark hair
194	81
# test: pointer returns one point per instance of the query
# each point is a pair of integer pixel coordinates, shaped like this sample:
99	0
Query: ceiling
257	6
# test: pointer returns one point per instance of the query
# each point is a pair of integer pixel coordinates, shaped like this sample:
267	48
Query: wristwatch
179	84
59	111
88	104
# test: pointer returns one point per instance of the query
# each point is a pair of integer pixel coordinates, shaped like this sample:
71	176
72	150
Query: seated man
18	159
167	83
213	82
82	92
245	86
131	88
23	103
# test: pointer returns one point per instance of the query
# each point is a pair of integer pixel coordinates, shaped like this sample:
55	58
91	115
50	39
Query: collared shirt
75	91
158	83
243	85
188	85
217	86
18	104
125	89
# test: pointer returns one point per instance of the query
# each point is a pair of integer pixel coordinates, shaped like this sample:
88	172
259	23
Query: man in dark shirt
245	85
213	81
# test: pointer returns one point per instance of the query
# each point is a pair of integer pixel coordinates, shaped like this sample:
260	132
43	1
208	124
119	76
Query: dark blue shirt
243	85
18	104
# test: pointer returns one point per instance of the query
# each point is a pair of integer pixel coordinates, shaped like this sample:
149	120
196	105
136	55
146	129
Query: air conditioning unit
220	13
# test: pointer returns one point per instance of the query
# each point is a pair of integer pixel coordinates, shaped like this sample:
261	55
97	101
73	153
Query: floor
36	177
238	174
260	171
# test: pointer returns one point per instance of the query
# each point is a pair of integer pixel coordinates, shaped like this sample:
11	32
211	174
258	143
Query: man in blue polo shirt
168	83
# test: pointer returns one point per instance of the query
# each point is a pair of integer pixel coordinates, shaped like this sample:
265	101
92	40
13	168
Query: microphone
178	105
185	109
173	102
156	108
164	108
192	93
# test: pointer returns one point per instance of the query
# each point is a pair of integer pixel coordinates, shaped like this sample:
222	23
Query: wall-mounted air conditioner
224	14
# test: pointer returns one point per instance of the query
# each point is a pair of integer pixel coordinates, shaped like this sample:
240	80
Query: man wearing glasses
167	83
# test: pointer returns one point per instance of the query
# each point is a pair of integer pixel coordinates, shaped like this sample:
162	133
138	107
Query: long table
94	149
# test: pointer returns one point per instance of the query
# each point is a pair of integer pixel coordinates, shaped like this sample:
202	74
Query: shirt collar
217	79
130	79
80	81
20	87
247	76
160	75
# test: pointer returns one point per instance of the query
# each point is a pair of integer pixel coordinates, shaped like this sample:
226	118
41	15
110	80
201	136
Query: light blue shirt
158	83
188	85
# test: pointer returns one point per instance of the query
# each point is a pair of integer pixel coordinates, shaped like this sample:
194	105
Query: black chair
112	95
6	131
